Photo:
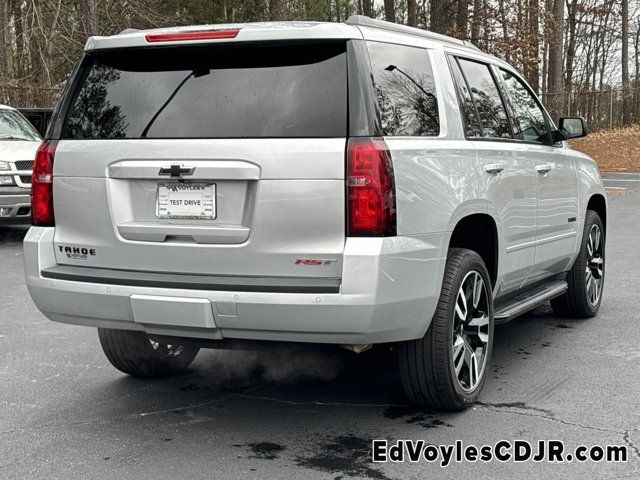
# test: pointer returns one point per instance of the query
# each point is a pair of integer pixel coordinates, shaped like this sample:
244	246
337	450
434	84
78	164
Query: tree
389	10
571	43
462	18
534	45
441	16
636	81
275	10
626	94
3	46
19	37
89	17
412	13
554	81
367	8
476	21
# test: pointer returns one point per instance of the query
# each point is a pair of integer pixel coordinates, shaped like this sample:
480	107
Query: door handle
544	169
494	168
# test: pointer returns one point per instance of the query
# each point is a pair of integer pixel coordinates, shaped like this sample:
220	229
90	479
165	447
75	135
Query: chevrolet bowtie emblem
176	171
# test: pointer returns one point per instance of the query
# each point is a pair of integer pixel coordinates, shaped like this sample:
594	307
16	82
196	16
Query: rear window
212	92
405	89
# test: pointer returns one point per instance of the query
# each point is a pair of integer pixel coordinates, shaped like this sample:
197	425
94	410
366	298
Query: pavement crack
509	409
180	409
131	416
324	404
627	439
518	405
195	405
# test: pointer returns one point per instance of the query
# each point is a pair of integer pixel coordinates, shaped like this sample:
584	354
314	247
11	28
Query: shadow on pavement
306	406
11	235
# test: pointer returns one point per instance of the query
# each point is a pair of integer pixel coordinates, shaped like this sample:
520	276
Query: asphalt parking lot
307	413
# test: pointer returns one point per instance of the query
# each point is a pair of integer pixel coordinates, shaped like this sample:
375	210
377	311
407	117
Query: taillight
371	207
192	35
42	186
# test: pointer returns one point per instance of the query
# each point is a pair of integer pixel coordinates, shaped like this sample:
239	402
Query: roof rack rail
361	20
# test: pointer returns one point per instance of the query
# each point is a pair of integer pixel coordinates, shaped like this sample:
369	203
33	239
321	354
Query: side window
494	122
528	118
405	89
470	118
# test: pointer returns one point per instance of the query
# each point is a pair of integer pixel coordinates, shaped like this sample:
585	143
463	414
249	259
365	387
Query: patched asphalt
308	413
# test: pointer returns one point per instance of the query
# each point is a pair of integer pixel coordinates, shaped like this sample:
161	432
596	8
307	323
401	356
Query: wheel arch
598	203
478	232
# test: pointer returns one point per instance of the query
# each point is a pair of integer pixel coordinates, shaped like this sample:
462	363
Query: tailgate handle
205	234
200	169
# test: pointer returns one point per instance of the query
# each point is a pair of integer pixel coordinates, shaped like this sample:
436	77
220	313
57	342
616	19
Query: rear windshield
212	92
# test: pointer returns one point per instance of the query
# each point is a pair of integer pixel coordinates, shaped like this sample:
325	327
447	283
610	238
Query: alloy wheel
595	266
470	339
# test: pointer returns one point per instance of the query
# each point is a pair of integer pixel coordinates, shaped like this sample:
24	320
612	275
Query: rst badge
315	262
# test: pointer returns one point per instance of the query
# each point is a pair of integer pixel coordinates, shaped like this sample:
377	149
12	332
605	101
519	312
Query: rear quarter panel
589	184
438	179
437	184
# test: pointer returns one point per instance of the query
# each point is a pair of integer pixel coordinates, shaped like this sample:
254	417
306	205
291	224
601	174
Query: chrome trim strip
12	173
554	238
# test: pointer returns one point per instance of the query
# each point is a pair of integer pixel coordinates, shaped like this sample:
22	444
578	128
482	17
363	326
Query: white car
19	142
351	184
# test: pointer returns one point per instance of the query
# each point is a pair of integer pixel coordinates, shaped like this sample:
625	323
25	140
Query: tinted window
470	118
213	92
528	118
493	116
405	90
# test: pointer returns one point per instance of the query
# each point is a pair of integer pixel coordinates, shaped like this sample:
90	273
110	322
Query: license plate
187	200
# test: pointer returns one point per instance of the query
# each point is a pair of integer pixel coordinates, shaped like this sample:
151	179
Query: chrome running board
528	300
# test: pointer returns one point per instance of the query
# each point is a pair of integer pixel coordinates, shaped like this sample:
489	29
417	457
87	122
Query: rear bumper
388	292
15	205
175	281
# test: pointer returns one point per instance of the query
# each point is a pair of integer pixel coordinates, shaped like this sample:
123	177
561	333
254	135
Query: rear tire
136	354
436	370
586	277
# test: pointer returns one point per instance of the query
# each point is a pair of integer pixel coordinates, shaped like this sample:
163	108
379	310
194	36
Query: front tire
586	277
135	353
446	369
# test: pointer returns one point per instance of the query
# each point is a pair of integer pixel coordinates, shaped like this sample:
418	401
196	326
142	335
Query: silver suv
349	184
19	142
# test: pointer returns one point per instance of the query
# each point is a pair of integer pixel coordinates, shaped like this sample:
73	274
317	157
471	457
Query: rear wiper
195	73
391	68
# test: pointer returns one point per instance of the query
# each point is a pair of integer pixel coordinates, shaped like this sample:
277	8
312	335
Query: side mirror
573	127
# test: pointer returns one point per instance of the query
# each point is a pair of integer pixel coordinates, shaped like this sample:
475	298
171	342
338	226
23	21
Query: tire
136	354
587	274
428	365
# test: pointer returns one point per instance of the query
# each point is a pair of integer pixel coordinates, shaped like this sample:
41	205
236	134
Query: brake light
42	186
371	208
192	35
